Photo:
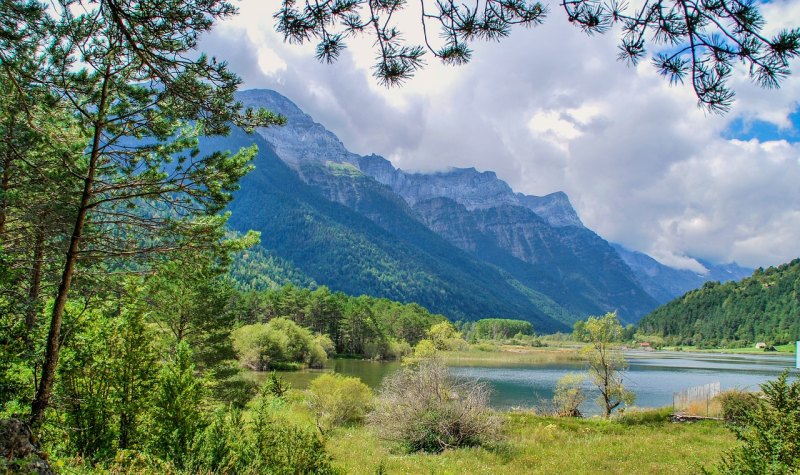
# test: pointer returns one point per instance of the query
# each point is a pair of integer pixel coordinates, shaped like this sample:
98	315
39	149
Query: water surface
652	376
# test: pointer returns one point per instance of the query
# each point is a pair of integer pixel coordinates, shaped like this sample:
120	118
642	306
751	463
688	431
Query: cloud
550	109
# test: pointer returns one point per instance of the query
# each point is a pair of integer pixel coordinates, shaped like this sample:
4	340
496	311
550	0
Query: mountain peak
301	139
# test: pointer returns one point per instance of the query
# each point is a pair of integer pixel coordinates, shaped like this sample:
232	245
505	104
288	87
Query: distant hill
666	283
763	307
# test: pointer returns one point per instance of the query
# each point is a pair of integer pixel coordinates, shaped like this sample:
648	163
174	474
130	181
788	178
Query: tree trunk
5	181
53	346
36	281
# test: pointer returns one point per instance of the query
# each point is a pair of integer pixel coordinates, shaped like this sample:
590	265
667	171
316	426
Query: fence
696	397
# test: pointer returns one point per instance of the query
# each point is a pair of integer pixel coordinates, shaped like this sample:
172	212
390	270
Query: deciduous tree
606	361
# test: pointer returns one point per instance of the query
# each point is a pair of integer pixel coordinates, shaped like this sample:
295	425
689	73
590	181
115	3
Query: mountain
763	307
333	245
665	283
460	242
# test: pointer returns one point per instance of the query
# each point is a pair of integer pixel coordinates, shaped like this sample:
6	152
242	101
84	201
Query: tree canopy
698	42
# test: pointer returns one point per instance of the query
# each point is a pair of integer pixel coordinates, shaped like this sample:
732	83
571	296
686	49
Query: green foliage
769	432
363	326
275	386
177	408
262	346
424	349
569	395
107	373
606	362
501	328
737	405
423	408
282	447
445	337
762	307
339	400
268	444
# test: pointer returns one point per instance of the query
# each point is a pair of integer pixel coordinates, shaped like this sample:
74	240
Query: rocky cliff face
470	188
302	140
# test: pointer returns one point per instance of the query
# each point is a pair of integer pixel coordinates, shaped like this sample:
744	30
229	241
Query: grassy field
511	355
539	445
780	349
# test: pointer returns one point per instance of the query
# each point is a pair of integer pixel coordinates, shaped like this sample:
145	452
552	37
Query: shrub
276	344
569	395
424	349
279	447
176	415
423	408
339	400
769	431
736	405
485	346
270	444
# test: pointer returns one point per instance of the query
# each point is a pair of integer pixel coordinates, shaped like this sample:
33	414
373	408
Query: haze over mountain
460	242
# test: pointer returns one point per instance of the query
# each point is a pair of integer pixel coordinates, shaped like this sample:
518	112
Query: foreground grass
540	445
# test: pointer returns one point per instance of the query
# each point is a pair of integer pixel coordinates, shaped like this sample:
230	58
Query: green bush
279	447
276	344
736	405
269	444
338	400
445	336
423	408
769	432
569	395
176	415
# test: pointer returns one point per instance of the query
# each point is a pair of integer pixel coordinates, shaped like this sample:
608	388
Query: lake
652	376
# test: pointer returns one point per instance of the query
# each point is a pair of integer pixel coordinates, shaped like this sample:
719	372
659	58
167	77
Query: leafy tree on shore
606	362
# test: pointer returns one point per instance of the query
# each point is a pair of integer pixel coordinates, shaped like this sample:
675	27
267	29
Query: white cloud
549	109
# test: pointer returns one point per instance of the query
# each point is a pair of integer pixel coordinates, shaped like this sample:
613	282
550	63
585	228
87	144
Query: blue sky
550	109
743	129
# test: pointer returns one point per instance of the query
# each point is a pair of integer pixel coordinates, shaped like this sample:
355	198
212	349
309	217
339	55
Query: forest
760	308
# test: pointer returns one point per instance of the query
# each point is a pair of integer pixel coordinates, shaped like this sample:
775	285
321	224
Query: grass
540	445
511	355
780	349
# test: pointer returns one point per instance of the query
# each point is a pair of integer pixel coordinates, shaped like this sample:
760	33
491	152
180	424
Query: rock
18	452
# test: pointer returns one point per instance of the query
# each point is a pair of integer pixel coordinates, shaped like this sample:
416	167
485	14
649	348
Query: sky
551	109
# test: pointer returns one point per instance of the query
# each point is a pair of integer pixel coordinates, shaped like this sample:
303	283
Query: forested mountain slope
763	307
